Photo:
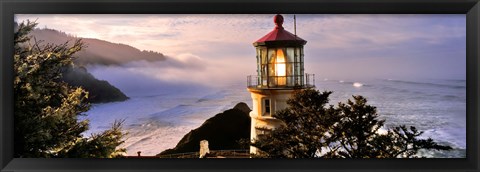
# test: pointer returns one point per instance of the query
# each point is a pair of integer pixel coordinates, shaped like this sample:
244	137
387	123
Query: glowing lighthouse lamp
280	71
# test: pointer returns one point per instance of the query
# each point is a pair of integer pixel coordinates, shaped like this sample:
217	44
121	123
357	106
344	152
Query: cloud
216	45
185	72
378	31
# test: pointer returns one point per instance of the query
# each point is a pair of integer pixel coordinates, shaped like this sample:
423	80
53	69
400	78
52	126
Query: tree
351	130
46	110
306	121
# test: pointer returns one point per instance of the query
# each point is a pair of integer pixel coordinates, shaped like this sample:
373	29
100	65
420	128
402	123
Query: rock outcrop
223	131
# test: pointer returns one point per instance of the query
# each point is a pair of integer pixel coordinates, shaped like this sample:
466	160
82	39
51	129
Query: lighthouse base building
265	103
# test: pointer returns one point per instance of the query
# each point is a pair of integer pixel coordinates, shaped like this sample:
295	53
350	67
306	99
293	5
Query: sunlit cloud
211	49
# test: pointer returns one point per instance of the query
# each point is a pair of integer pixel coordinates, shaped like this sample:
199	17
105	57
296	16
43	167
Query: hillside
97	51
222	131
99	91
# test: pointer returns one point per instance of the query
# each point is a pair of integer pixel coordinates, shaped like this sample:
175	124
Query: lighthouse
280	71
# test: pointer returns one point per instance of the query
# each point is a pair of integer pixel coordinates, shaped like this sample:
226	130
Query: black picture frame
10	7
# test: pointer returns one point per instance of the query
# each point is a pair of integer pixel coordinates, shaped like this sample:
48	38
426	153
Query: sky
339	46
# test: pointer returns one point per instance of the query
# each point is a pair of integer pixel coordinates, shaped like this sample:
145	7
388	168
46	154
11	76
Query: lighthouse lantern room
280	71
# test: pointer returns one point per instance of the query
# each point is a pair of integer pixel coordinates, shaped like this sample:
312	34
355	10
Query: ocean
157	122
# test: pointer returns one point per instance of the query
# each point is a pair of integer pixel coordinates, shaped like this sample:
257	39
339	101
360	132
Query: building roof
280	34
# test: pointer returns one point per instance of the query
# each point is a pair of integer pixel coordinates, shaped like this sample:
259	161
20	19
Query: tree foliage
46	110
350	130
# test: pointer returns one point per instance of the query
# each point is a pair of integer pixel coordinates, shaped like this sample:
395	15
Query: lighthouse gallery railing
253	81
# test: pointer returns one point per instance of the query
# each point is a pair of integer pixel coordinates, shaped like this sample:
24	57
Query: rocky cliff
223	131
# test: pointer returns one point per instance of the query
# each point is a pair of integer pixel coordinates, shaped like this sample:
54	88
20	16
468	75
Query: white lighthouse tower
280	71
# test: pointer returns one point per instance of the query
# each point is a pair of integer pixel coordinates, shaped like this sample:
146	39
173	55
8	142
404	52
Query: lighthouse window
267	105
291	54
263	67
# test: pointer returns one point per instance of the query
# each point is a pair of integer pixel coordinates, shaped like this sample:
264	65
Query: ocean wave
174	111
457	80
452	97
455	137
214	96
454	153
357	84
428	84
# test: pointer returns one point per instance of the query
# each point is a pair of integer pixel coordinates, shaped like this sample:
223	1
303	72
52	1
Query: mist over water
162	110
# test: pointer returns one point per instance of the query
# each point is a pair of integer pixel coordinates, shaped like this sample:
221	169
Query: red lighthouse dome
279	35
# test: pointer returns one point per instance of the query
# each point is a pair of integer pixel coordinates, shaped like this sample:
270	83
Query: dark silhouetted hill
222	131
99	91
97	51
